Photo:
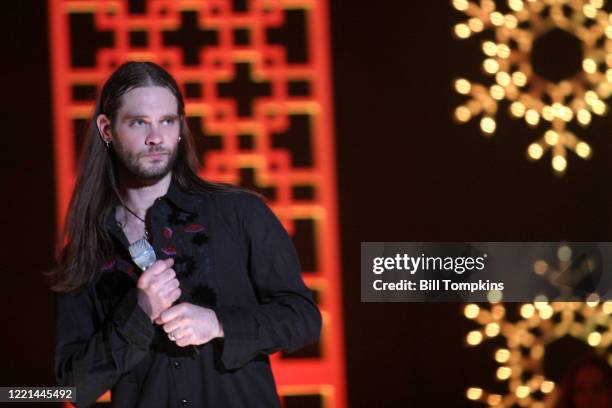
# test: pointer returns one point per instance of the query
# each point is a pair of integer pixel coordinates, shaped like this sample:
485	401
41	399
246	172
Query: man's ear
104	128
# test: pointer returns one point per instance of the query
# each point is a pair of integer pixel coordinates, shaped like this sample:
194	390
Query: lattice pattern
256	79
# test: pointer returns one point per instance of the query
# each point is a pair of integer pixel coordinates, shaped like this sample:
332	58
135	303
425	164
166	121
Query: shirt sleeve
93	360
286	317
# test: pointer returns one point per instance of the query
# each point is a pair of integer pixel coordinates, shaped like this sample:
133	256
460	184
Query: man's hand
158	288
188	324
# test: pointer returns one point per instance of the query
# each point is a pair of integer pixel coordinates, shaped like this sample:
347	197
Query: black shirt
231	255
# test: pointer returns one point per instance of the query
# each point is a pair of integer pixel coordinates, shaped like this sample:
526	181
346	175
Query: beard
142	168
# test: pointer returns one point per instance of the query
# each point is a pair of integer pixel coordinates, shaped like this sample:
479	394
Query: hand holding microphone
158	288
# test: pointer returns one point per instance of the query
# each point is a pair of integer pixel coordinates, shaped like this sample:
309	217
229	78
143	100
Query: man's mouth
155	155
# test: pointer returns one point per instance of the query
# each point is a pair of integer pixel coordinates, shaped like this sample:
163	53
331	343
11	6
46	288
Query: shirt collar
176	195
181	198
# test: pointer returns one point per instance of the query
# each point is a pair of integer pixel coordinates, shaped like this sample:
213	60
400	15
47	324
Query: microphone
143	255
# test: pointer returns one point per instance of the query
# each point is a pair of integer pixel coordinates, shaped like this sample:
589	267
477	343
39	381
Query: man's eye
137	122
168	121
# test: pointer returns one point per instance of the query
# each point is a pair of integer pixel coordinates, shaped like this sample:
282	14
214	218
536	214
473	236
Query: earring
179	139
107	144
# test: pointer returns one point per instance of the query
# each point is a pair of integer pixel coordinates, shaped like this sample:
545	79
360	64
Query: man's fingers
170	296
159	266
166	276
175	295
171	313
173	326
153	272
159	288
184	342
168	315
182	337
174	284
154	283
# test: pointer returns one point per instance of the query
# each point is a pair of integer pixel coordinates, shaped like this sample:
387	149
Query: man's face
145	135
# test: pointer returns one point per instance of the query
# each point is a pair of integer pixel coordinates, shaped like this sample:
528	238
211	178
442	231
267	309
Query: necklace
146	231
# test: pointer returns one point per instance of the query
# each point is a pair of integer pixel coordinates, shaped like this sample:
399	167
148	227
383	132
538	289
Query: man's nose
154	136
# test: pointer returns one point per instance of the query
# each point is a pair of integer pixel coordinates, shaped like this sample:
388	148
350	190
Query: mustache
156	149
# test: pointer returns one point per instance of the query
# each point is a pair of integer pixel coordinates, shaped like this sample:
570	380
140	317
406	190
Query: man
196	327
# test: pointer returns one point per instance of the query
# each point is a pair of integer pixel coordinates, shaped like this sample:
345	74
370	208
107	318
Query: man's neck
139	196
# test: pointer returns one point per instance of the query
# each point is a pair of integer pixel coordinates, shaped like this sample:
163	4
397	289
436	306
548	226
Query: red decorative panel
256	75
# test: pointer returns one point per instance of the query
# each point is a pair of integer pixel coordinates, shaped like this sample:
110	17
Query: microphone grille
142	253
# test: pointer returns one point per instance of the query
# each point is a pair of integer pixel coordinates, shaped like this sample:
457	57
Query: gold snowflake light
524	343
525	338
558	276
552	105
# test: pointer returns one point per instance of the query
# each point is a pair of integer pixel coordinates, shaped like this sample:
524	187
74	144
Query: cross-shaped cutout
292	36
190	37
85	40
243	89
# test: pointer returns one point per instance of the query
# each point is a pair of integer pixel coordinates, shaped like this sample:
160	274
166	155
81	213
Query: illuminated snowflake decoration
540	323
521	359
558	276
530	96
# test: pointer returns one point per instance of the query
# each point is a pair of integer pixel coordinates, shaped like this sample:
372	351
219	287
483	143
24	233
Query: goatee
152	171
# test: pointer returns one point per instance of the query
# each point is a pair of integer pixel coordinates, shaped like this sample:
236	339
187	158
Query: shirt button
177	364
184	402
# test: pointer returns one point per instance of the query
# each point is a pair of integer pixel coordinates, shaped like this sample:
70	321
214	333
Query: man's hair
85	244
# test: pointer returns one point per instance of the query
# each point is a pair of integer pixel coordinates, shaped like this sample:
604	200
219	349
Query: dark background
406	172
